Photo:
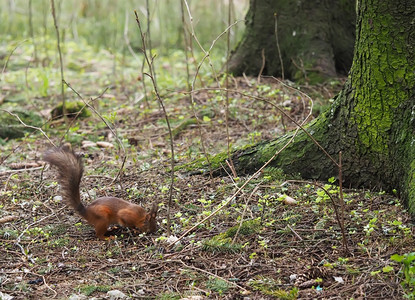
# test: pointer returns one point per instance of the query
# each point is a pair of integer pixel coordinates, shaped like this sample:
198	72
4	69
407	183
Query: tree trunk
372	120
315	39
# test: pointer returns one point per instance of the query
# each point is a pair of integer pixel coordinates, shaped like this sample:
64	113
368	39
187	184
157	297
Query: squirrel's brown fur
105	210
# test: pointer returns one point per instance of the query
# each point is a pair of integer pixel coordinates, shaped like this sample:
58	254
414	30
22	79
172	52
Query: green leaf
206	119
387	269
410	257
397	258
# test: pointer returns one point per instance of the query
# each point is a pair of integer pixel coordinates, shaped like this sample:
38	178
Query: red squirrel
103	211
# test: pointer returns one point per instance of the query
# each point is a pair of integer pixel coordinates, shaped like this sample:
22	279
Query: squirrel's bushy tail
70	169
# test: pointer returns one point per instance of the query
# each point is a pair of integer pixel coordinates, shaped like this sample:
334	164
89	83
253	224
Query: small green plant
246	228
169	296
271	287
8	233
221	243
114	270
408	261
88	290
371	226
255	136
37	231
217	285
273	174
60	242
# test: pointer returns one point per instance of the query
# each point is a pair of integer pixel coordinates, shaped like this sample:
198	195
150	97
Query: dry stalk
301	68
8	58
244	212
295	233
278	45
258	81
65	117
148	38
338	217
228	54
341	220
161	103
231	166
31	31
186	46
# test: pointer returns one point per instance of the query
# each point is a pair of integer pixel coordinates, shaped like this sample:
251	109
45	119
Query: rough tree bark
372	120
315	38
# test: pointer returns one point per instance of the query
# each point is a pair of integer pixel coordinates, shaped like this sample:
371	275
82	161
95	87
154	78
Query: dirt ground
255	247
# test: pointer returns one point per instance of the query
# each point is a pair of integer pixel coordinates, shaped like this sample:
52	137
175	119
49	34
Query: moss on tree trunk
315	39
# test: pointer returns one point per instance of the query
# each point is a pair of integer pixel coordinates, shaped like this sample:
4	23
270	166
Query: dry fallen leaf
288	200
105	145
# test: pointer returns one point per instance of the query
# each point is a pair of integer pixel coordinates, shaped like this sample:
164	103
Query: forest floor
258	246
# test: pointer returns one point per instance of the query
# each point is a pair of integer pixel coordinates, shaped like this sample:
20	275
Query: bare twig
31	31
231	166
20	170
295	233
245	208
262	66
161	103
8	58
47	285
301	68
228	54
148	38
186	46
28	126
278	45
341	221
65	117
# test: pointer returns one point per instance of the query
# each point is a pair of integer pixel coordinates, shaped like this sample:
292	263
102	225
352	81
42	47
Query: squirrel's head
151	220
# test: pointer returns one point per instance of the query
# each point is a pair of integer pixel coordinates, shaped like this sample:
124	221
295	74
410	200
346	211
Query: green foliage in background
104	23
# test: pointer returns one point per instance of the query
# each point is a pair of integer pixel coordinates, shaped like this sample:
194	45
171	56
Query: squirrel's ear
154	208
66	147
